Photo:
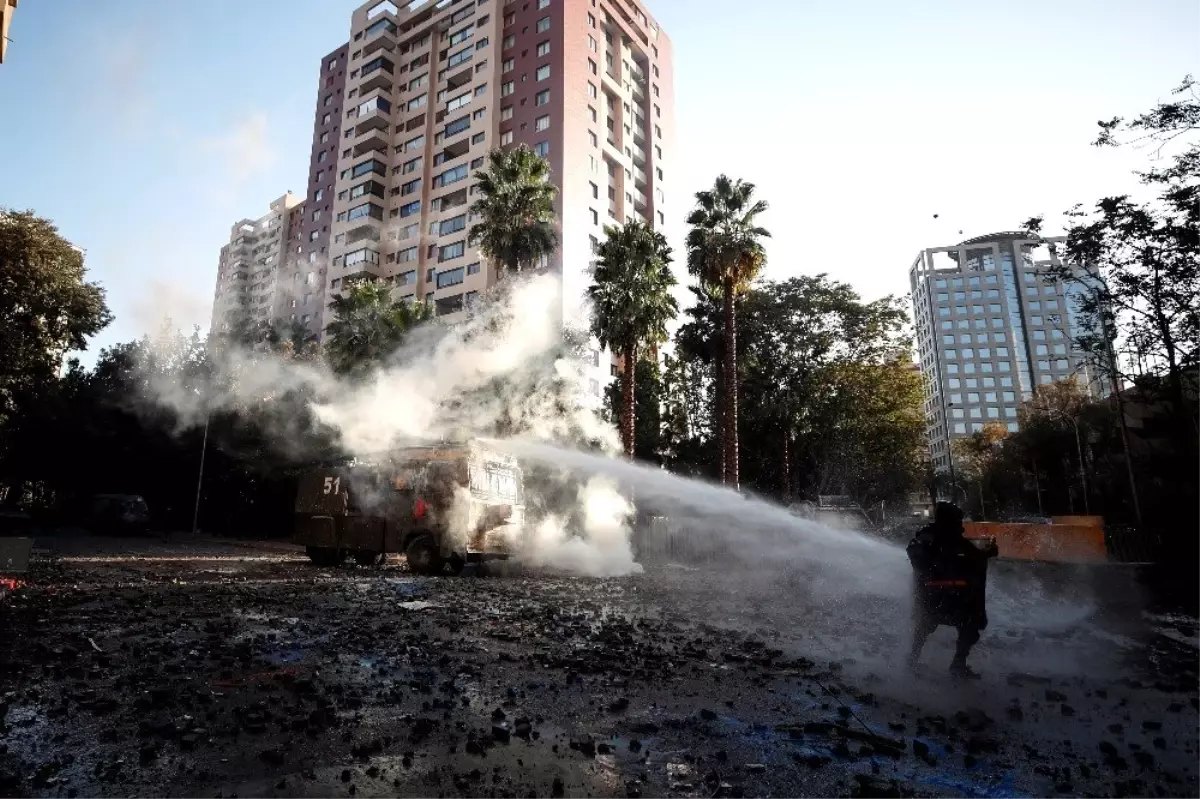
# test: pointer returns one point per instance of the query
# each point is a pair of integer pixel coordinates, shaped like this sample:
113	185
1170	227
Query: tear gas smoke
506	367
602	548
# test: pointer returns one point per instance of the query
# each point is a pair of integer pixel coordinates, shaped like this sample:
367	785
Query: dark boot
921	632
967	638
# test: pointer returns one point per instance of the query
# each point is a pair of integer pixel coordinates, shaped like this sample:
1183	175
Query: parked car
117	513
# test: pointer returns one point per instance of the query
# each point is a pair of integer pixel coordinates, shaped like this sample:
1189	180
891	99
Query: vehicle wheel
456	563
423	556
365	557
325	556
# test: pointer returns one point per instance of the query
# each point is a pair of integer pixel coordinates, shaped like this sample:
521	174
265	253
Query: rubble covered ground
199	667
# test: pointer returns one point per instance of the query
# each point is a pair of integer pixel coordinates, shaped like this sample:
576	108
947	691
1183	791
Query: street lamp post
200	477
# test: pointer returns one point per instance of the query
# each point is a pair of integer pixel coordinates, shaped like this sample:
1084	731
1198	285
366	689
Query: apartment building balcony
639	178
379	35
370	140
376	74
365	224
452	151
361	272
637	88
639	201
638	155
361	257
373	113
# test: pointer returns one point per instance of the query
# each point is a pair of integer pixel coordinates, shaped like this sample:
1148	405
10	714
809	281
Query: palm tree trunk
787	469
731	389
628	406
719	415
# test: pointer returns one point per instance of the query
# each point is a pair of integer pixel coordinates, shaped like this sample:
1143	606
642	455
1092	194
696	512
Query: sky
145	129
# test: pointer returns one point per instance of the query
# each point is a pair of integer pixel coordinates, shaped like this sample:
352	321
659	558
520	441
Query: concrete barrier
1054	543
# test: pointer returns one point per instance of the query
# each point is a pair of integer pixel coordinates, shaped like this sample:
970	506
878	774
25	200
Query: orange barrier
1056	543
1079	521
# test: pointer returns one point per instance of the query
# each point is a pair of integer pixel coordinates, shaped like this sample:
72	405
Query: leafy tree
836	405
700	344
649	443
631	304
1064	401
1142	315
47	308
725	250
684	413
832	403
976	457
516	226
369	325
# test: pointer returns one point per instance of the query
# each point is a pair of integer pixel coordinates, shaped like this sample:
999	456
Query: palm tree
369	325
632	303
725	252
516	226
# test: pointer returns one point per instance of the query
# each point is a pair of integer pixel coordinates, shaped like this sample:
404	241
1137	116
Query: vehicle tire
325	556
423	556
365	557
456	563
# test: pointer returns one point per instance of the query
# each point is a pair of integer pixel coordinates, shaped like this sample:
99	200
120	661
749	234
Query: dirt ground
216	668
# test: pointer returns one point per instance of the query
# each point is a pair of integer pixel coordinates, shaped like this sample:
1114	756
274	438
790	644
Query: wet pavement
219	668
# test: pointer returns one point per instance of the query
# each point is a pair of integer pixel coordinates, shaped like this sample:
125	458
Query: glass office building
993	321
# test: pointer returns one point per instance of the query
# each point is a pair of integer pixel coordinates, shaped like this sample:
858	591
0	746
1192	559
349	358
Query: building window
507	65
506	137
509	41
543	48
595	216
506	113
592	138
592	90
407	254
506	88
542	97
451	277
592	66
542	148
410	208
449	252
543	72
595	192
543	24
591	21
542	123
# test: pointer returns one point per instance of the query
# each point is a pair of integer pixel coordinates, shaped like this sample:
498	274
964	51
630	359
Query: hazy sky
144	128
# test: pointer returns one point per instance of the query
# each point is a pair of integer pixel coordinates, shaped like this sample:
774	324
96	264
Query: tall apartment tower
254	275
309	251
432	87
992	324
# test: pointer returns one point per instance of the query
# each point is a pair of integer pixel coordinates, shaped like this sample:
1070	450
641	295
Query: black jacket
950	577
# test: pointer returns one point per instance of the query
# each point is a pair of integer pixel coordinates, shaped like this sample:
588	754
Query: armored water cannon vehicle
441	504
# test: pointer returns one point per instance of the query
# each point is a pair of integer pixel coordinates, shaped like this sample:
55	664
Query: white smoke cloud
601	547
504	365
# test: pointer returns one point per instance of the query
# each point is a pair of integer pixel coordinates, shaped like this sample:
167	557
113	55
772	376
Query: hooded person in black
950	579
